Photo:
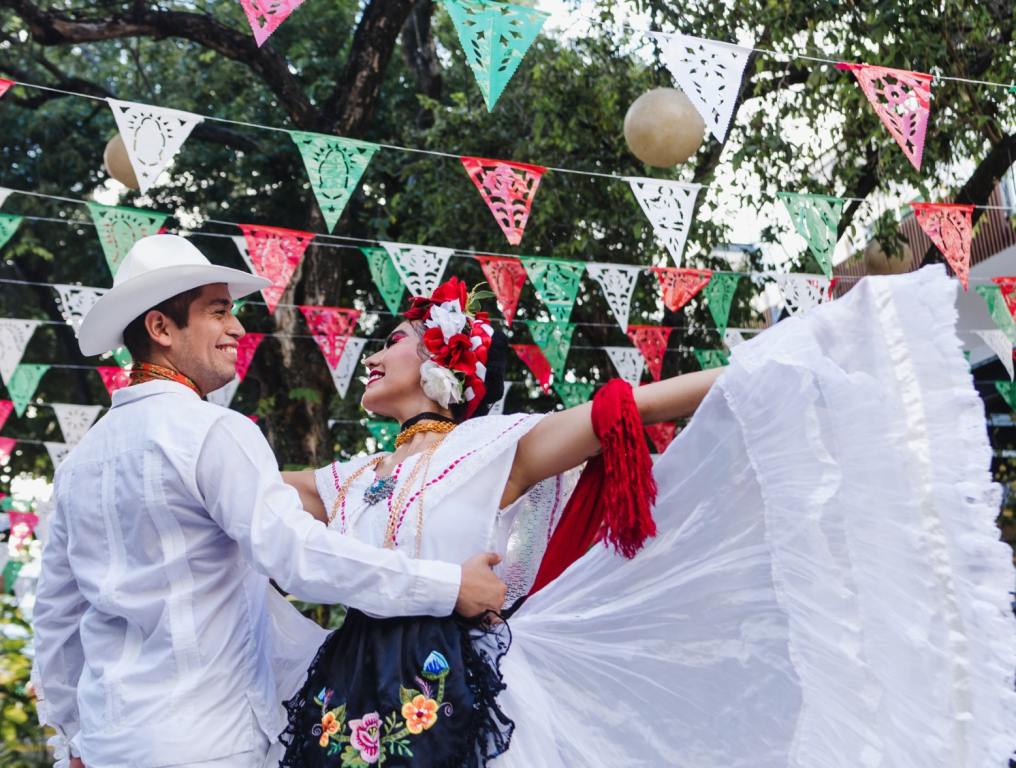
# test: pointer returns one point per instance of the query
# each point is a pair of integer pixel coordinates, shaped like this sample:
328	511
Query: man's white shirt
159	640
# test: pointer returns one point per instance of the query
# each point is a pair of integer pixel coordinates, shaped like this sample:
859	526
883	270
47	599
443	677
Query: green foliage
22	740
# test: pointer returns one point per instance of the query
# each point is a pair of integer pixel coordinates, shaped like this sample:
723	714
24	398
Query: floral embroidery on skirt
417	692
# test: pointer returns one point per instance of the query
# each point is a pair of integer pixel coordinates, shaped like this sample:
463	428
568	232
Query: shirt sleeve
56	619
242	490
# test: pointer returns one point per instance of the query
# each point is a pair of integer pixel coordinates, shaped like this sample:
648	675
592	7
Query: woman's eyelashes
394	338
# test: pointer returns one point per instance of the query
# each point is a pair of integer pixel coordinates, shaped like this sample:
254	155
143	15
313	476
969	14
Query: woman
825	586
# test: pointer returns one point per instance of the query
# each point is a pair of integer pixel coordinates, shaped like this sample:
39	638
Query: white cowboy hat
156	268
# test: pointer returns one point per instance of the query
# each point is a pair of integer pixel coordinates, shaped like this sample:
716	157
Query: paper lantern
118	164
878	262
663	128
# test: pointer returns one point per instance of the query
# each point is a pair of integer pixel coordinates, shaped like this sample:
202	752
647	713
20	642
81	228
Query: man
156	627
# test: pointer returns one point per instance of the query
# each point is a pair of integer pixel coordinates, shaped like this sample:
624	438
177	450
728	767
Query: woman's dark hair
497	361
176	308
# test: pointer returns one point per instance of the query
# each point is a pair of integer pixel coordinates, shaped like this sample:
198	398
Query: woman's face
393	383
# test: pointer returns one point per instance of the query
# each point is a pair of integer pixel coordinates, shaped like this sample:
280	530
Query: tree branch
980	185
350	106
204	131
54	28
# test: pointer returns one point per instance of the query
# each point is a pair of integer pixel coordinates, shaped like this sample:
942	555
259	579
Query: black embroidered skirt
417	692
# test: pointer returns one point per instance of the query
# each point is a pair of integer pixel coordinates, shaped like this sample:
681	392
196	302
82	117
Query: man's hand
76	763
480	589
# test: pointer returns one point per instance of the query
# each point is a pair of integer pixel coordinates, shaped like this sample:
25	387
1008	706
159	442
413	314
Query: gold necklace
397	511
340	499
427	425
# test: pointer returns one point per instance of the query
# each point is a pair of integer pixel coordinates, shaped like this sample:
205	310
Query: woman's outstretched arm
303	481
566	439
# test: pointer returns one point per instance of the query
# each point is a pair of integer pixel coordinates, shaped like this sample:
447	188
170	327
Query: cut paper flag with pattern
246	347
23	525
6	406
494	38
618	284
275	254
118	228
574	393
536	362
75	420
679	286
74	301
554	340
57	452
651	341
8	226
661	434
386	277
669	206
1001	347
816	218
508	190
557	283
711	358
1007	285
14	337
224	395
629	363
948	226
334	166
5	85
113	377
22	385
4	194
995	303
121	356
709	72
7	445
152	136
419	266
1007	389
902	101
732	337
505	276
802	292
342	374
265	16
719	294
331	328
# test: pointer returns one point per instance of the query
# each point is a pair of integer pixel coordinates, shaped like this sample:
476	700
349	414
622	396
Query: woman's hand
304	483
565	439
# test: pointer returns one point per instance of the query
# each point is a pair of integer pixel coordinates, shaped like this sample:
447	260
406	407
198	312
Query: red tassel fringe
615	494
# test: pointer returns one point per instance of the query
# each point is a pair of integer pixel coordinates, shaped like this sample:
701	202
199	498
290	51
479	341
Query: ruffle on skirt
417	692
827	589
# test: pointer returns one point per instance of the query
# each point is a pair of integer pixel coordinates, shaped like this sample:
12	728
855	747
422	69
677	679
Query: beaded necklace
397	508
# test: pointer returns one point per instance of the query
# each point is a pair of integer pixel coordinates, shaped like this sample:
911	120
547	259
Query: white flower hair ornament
458	341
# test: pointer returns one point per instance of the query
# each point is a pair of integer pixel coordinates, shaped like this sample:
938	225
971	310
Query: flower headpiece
458	340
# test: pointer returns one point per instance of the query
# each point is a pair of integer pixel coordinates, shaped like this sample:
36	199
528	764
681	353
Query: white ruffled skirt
827	587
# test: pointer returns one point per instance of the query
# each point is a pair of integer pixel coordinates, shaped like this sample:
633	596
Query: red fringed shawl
614	495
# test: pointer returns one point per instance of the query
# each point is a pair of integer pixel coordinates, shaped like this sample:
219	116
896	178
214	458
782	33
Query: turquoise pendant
378	490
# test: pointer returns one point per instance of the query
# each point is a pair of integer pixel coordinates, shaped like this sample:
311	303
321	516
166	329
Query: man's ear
158	326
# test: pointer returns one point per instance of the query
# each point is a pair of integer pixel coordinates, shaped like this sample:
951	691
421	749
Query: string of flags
275	253
335	166
495	38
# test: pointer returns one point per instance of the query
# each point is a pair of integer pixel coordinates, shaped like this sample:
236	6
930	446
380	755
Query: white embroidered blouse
451	512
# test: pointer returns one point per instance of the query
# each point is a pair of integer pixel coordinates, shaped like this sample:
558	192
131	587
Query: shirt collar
136	392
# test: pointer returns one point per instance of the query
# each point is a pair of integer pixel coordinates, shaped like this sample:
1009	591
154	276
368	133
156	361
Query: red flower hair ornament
458	340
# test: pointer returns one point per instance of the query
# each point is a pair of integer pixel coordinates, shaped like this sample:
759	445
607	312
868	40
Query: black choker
425	416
